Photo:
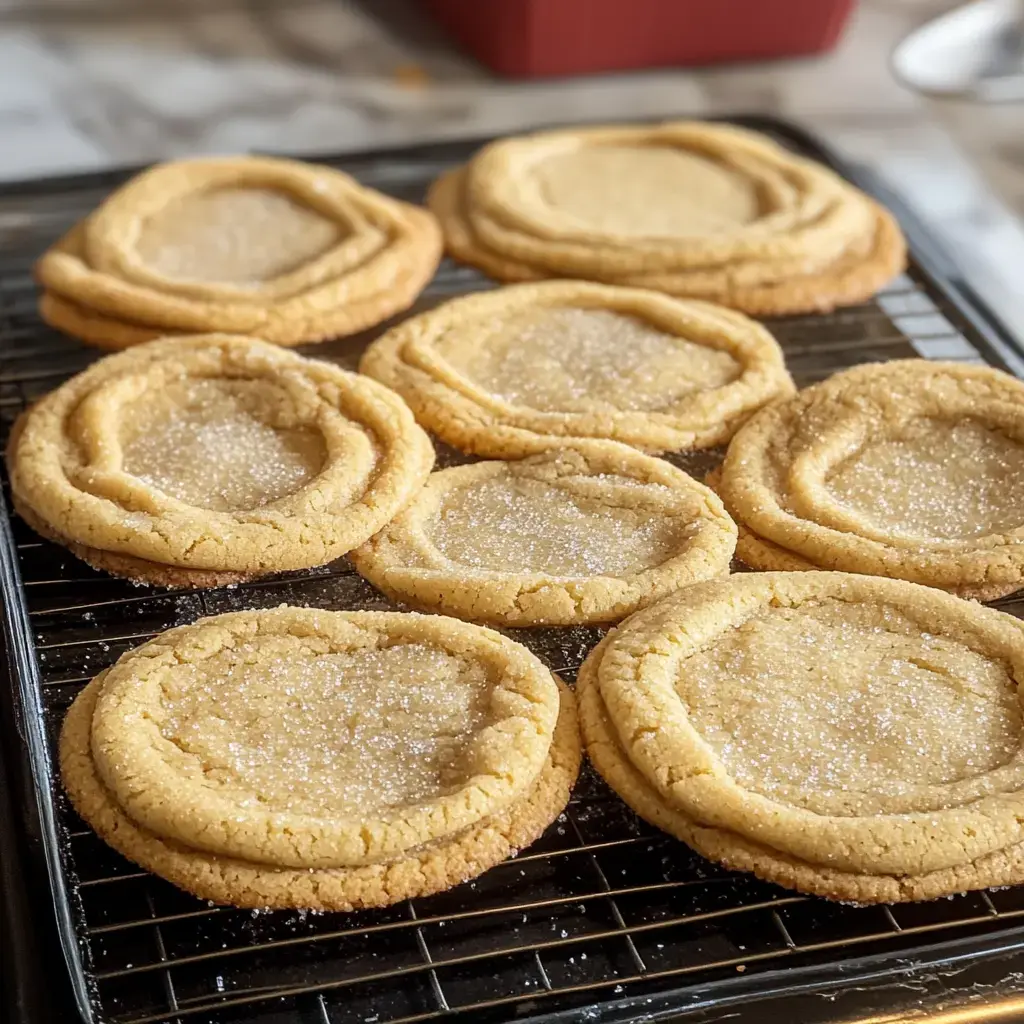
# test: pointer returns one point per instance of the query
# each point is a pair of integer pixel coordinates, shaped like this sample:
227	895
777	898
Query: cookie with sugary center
695	210
299	757
321	739
513	371
210	459
911	469
574	535
287	251
845	735
733	851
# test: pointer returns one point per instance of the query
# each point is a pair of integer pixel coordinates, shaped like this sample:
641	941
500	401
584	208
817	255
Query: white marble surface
93	83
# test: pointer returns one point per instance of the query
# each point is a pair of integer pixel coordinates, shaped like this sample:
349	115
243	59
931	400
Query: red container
540	38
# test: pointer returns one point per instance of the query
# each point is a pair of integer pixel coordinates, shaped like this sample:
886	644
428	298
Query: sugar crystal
201	442
358	732
850	698
936	479
515	524
576	360
239	236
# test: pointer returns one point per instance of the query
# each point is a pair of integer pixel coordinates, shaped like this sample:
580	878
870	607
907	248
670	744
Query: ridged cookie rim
763	555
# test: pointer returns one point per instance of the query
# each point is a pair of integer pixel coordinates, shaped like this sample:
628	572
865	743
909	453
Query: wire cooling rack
604	916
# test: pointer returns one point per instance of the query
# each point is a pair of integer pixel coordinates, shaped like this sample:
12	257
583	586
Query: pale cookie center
358	733
849	698
651	191
575	360
517	525
240	236
936	479
201	444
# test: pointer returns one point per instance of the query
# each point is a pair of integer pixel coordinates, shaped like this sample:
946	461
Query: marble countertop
88	84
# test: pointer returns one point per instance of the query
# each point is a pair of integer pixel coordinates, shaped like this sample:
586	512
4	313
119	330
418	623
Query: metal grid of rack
602	911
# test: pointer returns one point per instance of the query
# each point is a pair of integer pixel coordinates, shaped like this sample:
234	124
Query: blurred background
937	112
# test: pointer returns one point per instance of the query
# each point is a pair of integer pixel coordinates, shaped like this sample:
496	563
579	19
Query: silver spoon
974	53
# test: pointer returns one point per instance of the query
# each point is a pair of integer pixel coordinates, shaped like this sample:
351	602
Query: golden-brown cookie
910	469
246	883
853	278
669	197
606	753
694	210
214	455
862	724
307	738
281	250
574	535
512	371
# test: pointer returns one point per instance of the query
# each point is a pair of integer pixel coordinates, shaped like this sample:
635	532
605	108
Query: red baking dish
541	38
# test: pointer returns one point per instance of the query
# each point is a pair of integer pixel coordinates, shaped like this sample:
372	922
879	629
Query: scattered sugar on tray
360	732
936	479
206	449
855	704
511	524
572	360
238	236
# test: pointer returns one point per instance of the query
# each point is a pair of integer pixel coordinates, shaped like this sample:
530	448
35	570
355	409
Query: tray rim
939	270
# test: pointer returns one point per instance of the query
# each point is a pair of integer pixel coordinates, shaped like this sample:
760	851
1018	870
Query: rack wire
604	912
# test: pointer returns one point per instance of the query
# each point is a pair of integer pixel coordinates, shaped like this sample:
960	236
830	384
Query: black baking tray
604	919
